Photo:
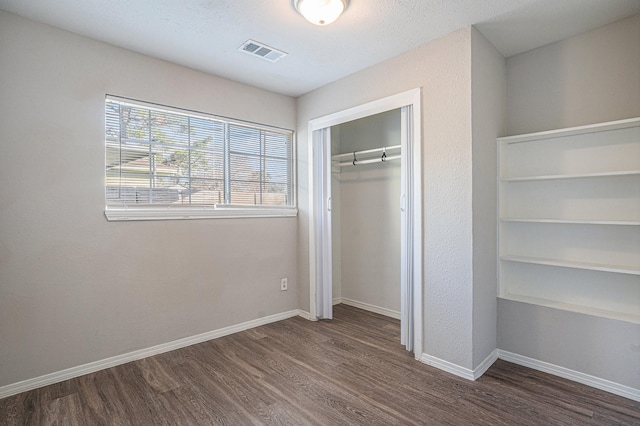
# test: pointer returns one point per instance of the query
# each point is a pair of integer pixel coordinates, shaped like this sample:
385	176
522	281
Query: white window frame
214	211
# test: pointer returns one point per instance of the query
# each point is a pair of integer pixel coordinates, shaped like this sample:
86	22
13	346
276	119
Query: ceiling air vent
262	51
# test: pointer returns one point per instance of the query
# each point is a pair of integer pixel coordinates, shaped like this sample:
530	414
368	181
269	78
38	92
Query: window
164	163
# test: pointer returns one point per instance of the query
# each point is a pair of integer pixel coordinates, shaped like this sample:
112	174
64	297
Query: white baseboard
306	315
457	370
484	365
576	376
545	367
447	366
92	367
371	308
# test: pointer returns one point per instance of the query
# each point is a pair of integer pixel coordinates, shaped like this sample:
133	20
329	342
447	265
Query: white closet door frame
320	282
406	249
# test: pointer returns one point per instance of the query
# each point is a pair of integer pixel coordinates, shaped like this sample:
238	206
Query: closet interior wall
366	216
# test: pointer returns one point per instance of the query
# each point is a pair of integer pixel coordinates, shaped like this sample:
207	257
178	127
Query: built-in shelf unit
569	219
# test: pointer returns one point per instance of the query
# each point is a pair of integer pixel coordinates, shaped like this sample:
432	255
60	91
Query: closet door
324	296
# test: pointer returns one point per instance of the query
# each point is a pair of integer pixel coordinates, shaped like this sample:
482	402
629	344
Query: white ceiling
205	34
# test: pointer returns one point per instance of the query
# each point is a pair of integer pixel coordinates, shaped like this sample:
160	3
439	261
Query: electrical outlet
284	284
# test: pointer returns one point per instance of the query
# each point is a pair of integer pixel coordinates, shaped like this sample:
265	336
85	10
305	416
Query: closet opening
365	213
365	233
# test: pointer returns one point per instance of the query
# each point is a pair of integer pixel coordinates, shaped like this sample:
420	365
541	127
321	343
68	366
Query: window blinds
161	156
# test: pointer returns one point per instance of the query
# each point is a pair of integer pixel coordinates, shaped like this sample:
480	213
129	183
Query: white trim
365	110
447	366
576	376
371	308
170	213
306	315
408	98
457	370
484	365
92	367
337	301
416	205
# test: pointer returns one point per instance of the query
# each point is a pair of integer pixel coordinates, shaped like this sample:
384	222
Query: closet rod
367	151
369	161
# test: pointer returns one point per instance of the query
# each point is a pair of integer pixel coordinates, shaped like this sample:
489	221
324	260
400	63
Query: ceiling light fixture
320	12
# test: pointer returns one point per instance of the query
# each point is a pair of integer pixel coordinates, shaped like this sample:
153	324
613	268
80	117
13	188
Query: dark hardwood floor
351	370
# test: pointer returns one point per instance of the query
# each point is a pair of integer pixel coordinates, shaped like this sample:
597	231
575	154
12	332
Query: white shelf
571	131
573	221
631	270
604	313
571	176
580	199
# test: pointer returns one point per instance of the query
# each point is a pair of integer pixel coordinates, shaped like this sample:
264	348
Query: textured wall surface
442	69
488	90
590	78
75	288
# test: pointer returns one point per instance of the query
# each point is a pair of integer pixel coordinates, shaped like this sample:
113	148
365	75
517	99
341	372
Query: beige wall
488	88
590	78
75	288
442	69
366	207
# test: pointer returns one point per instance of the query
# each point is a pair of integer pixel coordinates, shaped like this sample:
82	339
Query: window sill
209	212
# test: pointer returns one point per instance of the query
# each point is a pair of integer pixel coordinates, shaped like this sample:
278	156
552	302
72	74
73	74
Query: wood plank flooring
348	371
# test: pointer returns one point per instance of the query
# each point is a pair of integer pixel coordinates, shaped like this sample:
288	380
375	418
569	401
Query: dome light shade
321	12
